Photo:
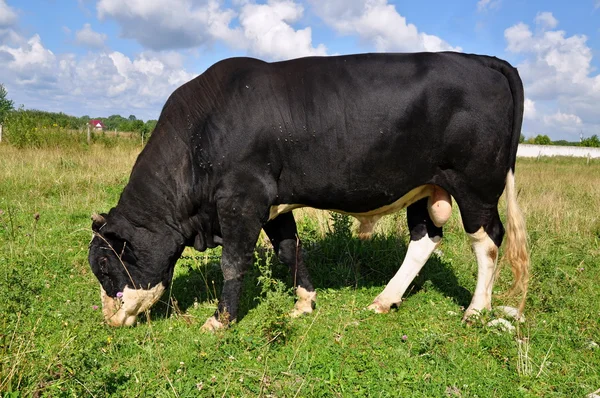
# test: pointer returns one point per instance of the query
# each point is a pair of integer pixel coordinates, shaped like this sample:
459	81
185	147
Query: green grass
54	343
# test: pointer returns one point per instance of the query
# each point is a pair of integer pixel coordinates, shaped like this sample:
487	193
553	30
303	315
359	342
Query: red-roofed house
97	124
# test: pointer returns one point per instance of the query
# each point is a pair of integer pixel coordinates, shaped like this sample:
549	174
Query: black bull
240	146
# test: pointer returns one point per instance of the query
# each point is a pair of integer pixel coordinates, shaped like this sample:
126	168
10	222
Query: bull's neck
161	188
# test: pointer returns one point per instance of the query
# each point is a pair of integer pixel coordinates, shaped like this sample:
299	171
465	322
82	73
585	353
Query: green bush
592	141
34	129
38	129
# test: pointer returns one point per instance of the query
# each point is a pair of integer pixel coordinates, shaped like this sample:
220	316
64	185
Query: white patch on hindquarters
486	253
417	255
123	311
304	305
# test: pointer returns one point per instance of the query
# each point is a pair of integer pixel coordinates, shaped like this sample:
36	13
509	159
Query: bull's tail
516	242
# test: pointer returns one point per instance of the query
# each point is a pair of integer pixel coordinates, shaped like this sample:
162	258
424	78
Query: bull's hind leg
283	235
425	220
485	233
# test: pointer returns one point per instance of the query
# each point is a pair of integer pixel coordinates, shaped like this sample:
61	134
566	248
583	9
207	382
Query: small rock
591	345
501	324
510	312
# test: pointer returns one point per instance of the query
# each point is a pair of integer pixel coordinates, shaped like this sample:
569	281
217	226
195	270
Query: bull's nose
114	313
123	311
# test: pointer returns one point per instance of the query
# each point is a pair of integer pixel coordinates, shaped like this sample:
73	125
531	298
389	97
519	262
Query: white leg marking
304	305
486	253
417	255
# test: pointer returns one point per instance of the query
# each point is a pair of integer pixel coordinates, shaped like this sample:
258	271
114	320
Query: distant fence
534	151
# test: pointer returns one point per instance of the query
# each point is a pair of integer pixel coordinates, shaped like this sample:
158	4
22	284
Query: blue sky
101	57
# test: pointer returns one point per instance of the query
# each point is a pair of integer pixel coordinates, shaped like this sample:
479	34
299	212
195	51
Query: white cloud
31	64
558	76
172	24
377	23
269	34
8	20
530	111
88	38
8	16
563	119
483	5
546	20
97	83
265	30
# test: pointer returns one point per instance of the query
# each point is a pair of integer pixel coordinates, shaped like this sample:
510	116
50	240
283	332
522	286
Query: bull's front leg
234	264
240	227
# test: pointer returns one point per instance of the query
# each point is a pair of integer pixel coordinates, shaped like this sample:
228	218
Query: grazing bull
240	146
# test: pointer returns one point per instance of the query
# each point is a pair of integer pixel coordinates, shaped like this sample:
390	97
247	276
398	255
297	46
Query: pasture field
53	341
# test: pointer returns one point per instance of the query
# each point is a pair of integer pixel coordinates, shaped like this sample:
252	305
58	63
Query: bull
236	149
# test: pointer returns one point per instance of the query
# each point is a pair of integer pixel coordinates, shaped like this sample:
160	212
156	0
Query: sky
104	57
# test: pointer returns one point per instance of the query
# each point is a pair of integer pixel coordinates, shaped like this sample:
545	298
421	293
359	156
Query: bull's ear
98	221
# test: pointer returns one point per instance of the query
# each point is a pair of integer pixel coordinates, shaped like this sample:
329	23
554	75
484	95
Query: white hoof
305	302
211	325
471	314
379	307
300	310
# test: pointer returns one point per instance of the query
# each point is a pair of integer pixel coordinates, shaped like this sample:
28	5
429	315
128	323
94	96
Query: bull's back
367	128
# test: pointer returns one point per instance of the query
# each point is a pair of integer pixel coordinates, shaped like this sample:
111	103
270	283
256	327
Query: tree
6	105
521	139
132	118
150	126
593	141
542	140
137	126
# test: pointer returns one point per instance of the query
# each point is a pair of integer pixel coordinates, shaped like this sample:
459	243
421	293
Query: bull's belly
369	218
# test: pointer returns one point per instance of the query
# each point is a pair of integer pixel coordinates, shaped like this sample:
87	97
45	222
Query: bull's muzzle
123	311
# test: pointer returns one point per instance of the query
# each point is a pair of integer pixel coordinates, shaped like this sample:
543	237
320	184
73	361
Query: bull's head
126	290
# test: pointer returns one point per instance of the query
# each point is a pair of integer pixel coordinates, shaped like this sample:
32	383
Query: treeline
131	124
540	139
43	119
35	129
